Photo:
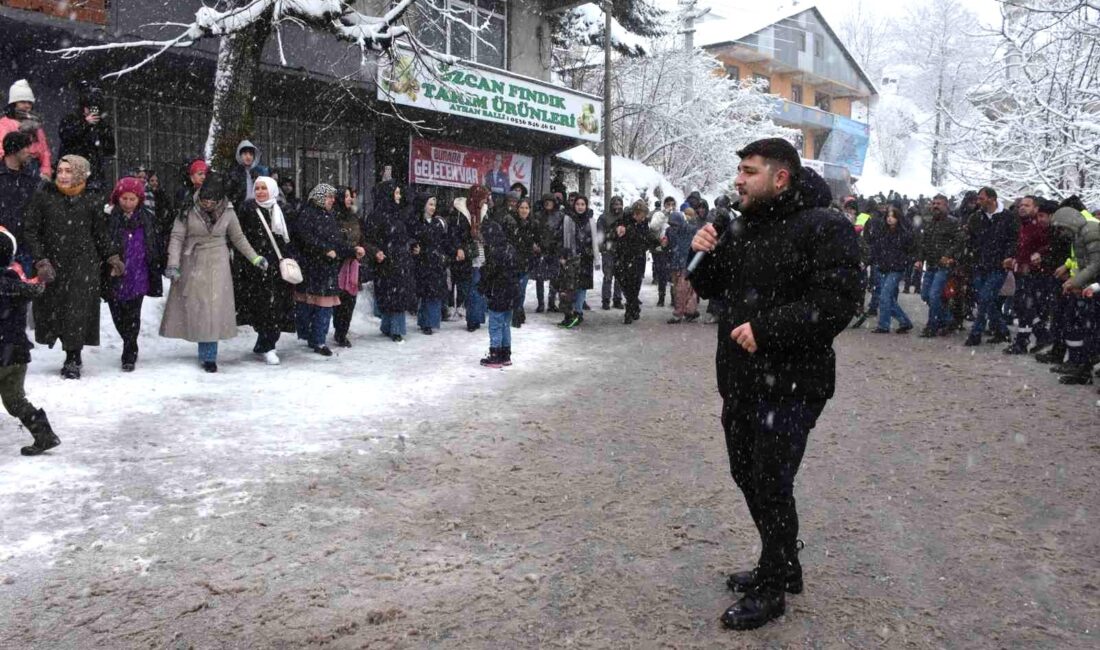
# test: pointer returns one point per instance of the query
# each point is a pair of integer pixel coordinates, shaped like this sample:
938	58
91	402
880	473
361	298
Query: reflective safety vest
861	220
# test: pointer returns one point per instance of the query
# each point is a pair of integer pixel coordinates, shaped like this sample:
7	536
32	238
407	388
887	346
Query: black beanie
213	189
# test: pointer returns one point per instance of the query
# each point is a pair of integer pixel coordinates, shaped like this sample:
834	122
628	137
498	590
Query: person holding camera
789	272
87	133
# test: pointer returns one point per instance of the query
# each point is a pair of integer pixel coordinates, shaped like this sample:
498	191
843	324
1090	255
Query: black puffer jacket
992	239
791	269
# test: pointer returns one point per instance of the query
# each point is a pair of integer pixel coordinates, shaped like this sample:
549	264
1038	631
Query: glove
261	263
172	273
118	267
45	271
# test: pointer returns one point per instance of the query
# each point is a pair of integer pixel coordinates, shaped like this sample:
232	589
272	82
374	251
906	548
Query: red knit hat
197	166
135	186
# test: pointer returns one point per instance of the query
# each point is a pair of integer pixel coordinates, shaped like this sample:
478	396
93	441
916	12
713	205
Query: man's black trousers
766	437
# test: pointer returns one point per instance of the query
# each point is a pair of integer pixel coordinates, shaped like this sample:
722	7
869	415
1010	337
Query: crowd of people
989	262
240	249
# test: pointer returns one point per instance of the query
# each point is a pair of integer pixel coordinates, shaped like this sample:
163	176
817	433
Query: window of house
733	72
452	37
824	102
800	40
796	93
819	46
767	87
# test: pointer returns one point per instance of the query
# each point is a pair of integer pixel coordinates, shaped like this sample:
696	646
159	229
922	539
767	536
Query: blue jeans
393	323
208	352
888	301
475	302
500	329
876	288
931	292
312	323
578	301
522	297
987	287
430	313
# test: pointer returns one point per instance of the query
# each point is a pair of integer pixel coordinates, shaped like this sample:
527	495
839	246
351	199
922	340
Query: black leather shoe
904	329
972	341
753	611
743	582
209	366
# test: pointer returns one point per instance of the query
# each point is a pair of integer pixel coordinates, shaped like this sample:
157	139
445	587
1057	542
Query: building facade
320	117
795	54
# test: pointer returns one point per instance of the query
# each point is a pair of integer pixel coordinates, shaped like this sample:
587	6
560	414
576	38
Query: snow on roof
733	20
581	156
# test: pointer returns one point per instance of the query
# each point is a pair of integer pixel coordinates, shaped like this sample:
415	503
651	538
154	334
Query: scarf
275	212
72	190
569	232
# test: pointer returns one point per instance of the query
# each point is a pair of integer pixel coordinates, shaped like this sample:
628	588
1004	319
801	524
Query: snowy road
402	496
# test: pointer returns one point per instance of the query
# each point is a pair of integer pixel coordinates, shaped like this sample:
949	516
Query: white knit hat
20	91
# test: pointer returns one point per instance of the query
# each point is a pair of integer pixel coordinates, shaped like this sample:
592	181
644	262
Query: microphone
722	225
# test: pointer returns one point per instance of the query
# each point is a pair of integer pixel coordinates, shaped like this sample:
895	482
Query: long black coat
71	232
315	233
118	232
263	299
436	252
461	239
94	142
389	229
545	266
791	269
579	261
499	276
525	235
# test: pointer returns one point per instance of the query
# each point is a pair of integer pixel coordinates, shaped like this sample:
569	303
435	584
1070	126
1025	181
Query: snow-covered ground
914	179
170	417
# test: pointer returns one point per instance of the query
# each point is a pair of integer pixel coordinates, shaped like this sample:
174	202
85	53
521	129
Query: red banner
453	165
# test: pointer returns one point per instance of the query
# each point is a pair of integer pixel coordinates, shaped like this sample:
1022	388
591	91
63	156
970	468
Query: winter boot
506	355
129	356
1056	353
566	318
517	322
1077	375
754	610
1019	346
552	305
540	309
71	368
618	304
493	360
44	437
661	297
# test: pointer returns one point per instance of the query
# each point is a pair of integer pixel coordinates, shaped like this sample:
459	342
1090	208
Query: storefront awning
581	156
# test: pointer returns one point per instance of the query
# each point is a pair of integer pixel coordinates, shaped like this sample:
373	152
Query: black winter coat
630	249
896	249
525	235
436	253
791	269
391	230
15	295
315	233
499	276
579	261
991	240
941	238
118	232
263	299
462	239
93	142
16	189
545	266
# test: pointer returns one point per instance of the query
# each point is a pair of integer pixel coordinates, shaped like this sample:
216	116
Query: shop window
796	93
453	37
85	11
823	102
733	72
765	80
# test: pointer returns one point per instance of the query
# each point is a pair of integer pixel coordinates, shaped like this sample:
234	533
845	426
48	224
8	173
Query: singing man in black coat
788	270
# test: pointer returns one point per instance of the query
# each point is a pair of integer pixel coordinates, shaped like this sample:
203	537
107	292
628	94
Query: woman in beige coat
200	304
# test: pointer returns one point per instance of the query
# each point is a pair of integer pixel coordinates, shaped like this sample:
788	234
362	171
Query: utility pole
607	6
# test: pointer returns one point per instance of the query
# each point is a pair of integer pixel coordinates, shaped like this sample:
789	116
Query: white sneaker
270	358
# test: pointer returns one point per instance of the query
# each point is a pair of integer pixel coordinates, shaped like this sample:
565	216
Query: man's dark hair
17	141
1046	206
1074	201
669	199
852	204
943	197
775	150
1034	199
989	192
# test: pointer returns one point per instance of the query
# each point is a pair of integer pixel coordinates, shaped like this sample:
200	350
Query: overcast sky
988	11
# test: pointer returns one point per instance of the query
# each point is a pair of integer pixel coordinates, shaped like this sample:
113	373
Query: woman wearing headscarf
263	299
322	250
391	234
544	267
436	253
351	231
66	235
132	229
573	245
200	306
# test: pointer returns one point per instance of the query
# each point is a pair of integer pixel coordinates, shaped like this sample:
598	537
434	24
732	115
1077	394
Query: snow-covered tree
690	137
245	26
1039	124
893	125
869	36
633	22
